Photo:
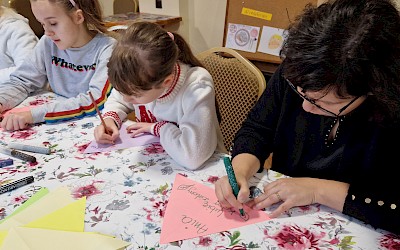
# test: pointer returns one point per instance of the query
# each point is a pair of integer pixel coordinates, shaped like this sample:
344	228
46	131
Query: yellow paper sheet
37	196
22	238
55	221
47	204
69	218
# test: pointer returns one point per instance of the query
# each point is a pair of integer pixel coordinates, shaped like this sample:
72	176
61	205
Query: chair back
23	7
125	6
238	85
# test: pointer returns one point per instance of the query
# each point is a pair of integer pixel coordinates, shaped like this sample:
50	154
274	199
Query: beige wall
205	25
203	21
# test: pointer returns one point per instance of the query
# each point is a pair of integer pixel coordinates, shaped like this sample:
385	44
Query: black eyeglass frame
318	106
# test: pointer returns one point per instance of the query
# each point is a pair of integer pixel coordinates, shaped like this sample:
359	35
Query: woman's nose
307	106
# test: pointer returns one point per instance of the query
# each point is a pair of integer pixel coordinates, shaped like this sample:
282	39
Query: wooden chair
238	85
125	6
23	7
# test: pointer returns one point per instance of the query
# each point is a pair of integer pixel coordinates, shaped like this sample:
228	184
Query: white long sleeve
189	130
17	40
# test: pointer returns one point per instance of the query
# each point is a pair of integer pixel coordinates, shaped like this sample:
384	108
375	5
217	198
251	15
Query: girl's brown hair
144	56
91	10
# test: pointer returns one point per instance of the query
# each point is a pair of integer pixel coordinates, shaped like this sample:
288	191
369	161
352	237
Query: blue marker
6	162
232	179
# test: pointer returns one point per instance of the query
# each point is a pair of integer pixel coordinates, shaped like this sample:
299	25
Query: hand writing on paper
224	193
139	127
17	121
106	138
212	208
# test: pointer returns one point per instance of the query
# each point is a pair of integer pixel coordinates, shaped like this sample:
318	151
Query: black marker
17	154
16	184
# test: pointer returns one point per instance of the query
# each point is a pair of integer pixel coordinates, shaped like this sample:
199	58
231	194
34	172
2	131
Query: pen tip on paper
241	212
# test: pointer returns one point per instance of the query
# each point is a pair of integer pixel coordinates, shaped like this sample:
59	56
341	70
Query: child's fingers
133	126
139	131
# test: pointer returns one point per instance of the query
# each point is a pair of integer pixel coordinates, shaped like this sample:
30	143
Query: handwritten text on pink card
193	210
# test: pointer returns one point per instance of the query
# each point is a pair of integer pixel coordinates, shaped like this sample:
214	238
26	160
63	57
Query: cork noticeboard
259	13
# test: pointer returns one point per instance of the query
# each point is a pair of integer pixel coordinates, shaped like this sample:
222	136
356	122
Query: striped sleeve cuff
156	128
113	115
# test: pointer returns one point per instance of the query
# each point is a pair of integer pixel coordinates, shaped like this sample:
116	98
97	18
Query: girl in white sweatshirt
155	74
17	40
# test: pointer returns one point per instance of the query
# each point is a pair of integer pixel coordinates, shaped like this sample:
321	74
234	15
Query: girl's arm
21	41
30	76
116	108
194	139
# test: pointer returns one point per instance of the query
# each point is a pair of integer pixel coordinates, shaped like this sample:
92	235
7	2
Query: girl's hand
224	193
106	138
289	192
17	121
139	128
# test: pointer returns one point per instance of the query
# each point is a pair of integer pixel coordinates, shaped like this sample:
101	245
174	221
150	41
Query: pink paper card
193	210
124	141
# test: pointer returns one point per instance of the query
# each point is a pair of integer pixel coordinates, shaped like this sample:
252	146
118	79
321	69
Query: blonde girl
72	58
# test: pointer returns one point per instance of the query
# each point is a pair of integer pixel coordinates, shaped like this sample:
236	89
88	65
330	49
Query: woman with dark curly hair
330	115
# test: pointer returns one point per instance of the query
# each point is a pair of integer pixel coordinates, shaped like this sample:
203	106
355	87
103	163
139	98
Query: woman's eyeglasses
312	101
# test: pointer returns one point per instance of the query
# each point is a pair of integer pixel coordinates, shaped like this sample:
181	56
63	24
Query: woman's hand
17	121
139	127
245	166
106	137
224	193
293	192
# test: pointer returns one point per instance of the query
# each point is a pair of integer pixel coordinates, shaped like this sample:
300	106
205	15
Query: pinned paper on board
52	220
124	141
193	210
271	40
242	37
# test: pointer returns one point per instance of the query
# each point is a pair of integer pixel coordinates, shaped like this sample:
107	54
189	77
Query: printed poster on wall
271	40
242	37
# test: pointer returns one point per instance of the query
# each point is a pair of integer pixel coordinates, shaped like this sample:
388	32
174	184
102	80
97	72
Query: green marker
232	179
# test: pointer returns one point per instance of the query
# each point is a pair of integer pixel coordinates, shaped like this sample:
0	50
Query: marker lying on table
6	162
16	184
17	154
30	148
232	179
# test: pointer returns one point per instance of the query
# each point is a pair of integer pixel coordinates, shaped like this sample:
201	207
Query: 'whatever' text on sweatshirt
71	73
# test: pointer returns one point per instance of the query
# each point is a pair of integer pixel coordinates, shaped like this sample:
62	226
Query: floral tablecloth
127	194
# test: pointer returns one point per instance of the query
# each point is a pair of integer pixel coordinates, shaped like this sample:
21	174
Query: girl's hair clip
73	3
171	35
